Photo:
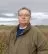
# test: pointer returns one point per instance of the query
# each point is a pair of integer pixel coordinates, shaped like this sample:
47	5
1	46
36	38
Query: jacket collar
26	30
13	33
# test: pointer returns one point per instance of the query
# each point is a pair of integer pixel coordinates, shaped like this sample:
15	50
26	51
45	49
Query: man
26	39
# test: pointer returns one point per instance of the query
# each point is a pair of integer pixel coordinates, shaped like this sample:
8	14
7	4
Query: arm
42	43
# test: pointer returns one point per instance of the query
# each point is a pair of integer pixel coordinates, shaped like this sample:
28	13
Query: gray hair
24	8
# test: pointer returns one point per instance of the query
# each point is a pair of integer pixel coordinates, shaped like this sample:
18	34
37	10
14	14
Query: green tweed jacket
31	41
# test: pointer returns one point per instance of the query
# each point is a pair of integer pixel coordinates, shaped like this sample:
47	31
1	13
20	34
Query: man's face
24	17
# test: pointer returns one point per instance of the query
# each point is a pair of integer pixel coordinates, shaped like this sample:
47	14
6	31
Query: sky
39	9
14	5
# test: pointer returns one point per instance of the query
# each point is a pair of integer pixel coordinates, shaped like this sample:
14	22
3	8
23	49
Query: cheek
20	20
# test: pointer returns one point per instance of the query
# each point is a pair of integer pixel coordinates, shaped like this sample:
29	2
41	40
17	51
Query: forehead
24	11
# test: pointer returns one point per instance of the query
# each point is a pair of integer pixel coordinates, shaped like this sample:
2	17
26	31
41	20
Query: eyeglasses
26	15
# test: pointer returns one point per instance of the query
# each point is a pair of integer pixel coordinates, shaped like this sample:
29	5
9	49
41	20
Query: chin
23	23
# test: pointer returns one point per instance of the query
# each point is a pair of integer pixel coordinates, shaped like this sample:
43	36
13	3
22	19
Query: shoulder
37	34
35	29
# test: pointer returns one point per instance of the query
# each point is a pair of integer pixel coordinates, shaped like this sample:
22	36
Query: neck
23	26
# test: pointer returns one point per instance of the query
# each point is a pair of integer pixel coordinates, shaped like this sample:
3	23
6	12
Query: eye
26	15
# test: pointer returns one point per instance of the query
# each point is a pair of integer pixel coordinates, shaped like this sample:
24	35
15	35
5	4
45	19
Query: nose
23	16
